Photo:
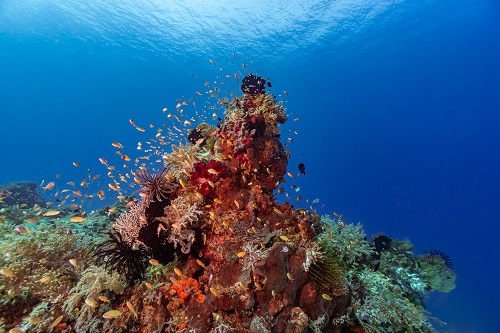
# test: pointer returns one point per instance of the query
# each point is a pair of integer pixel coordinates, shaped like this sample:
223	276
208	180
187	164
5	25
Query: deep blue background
399	103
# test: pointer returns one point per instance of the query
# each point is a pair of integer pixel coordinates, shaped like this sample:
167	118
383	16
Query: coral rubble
209	249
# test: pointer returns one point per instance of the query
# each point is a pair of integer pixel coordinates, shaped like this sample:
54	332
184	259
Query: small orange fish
103	299
113	186
132	309
126	158
7	272
50	186
117	145
56	322
76	164
103	161
112	314
213	172
46	278
52	213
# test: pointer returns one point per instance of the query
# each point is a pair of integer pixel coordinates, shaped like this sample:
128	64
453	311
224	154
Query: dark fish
269	84
302	168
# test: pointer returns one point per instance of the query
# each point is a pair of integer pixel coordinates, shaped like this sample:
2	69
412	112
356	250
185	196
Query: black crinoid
433	253
155	186
120	256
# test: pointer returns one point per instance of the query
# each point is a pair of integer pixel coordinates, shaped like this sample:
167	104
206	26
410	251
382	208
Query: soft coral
203	173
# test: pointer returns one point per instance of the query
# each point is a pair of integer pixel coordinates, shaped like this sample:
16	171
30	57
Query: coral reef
208	248
20	193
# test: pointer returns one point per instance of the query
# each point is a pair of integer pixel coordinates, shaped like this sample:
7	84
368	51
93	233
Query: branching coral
38	266
384	310
93	281
348	241
253	253
181	218
129	224
181	159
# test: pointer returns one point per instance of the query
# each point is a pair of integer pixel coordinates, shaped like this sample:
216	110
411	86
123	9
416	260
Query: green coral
436	273
347	241
40	266
78	305
386	309
398	264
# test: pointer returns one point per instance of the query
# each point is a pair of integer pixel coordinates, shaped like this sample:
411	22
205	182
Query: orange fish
113	186
52	213
103	161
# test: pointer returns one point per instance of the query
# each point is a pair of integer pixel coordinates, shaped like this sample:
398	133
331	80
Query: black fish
302	168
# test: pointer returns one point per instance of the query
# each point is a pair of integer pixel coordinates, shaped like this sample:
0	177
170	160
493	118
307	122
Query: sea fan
122	257
438	253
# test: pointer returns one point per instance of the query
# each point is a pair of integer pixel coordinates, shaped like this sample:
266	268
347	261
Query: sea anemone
122	257
155	186
438	253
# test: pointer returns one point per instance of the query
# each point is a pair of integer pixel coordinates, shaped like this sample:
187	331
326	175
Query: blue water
399	102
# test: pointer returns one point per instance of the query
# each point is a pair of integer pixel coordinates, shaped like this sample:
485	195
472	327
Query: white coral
181	217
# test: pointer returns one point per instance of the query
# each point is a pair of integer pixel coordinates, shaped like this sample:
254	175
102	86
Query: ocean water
399	104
